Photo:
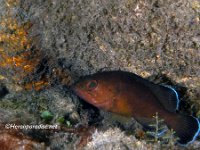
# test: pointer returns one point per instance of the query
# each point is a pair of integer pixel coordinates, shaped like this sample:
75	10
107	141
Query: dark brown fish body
130	95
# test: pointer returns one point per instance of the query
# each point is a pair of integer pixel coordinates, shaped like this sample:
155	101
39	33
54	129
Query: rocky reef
45	46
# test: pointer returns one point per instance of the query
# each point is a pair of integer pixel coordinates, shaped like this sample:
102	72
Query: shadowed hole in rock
93	114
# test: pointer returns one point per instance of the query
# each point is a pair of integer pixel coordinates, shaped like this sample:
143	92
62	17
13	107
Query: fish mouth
104	104
74	89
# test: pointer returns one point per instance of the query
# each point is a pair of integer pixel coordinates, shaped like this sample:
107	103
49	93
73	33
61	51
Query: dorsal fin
174	96
167	96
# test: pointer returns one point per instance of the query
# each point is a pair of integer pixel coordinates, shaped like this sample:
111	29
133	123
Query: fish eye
92	84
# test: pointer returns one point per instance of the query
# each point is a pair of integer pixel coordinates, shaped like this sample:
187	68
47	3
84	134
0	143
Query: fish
130	95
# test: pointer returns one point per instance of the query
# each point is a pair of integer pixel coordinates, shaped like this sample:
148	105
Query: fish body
130	95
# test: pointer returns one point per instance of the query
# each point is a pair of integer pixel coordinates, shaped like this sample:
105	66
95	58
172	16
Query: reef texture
45	46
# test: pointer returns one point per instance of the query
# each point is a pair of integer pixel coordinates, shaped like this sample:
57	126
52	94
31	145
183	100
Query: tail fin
187	128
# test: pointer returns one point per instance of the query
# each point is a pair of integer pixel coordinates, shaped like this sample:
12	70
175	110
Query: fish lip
93	102
103	104
76	91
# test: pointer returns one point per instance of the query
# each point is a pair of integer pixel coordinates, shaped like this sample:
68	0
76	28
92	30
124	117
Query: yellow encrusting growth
12	3
15	49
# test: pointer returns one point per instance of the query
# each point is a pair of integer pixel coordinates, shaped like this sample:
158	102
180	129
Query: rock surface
157	39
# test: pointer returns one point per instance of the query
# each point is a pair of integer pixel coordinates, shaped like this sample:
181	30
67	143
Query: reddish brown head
104	90
96	90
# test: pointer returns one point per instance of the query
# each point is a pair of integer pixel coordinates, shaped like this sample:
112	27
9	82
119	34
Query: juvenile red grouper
130	95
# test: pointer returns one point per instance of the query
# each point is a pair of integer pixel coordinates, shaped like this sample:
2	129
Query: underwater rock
13	139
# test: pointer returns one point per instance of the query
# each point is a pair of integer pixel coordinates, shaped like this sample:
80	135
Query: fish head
96	90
